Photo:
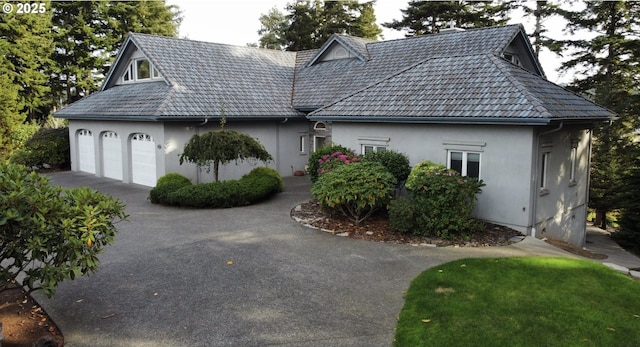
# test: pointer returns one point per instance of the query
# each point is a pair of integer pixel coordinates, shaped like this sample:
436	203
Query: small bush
395	162
356	190
402	213
46	146
166	185
257	185
443	199
314	159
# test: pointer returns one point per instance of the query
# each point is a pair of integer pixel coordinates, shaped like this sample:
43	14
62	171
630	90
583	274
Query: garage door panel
86	152
112	155
143	160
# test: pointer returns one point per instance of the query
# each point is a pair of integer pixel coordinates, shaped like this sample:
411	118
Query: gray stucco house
475	100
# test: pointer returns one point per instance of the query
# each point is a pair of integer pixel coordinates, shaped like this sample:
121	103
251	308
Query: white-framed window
302	147
573	162
140	70
372	148
466	163
545	156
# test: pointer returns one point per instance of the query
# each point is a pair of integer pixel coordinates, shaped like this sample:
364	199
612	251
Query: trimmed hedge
395	162
259	184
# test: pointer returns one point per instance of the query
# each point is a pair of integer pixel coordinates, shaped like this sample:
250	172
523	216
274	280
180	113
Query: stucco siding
280	139
562	203
505	153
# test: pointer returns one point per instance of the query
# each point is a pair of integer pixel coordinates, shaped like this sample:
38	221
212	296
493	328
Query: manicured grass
520	302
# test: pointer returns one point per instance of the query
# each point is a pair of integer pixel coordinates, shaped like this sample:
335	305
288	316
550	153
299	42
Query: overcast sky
237	22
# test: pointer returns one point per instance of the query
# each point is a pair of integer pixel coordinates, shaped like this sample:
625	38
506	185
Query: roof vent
451	28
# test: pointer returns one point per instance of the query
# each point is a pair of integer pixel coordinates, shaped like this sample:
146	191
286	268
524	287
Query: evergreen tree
88	34
304	22
629	234
273	25
27	53
309	24
609	62
540	11
428	17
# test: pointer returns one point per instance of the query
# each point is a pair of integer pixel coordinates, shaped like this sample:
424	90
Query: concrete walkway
599	241
247	276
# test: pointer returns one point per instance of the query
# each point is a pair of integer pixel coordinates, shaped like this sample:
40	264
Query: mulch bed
377	228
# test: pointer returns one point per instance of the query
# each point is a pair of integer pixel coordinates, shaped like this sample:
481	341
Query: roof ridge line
537	104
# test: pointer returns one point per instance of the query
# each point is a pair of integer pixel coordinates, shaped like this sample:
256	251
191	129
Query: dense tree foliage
607	72
272	29
309	24
61	53
428	17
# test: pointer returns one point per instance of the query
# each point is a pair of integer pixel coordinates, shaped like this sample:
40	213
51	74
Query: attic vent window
140	70
513	58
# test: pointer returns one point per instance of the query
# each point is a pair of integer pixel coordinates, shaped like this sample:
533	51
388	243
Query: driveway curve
248	276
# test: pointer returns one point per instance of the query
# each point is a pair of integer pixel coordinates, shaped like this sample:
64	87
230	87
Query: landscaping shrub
46	146
356	190
443	200
329	162
257	185
166	185
402	214
395	162
314	158
47	234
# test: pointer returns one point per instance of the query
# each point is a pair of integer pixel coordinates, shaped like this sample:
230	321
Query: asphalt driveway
247	276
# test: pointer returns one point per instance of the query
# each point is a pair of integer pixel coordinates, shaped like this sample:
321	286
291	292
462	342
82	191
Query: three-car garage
126	157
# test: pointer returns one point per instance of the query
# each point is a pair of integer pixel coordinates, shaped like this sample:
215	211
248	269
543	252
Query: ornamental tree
48	235
221	147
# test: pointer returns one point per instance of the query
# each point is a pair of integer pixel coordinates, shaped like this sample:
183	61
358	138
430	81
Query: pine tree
28	55
88	34
311	24
609	62
629	234
428	17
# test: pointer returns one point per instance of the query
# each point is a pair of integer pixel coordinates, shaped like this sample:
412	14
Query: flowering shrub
356	190
314	164
329	162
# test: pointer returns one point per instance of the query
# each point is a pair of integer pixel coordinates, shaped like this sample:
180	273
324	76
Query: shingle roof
471	88
200	77
324	82
453	76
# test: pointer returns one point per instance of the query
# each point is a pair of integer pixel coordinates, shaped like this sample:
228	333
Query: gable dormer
340	47
519	52
132	65
139	69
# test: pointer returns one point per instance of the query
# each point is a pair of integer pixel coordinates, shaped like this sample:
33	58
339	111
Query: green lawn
520	302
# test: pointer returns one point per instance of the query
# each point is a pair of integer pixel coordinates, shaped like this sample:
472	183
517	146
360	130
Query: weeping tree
221	147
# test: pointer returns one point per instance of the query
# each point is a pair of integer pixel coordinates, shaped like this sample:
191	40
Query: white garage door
86	154
111	155
143	160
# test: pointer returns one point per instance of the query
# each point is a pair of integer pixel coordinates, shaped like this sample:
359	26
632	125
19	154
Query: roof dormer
139	69
340	47
519	52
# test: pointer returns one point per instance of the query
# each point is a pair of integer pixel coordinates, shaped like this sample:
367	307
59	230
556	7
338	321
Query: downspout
586	201
206	120
536	193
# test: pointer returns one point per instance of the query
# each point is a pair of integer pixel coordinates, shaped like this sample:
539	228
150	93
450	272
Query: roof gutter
435	120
